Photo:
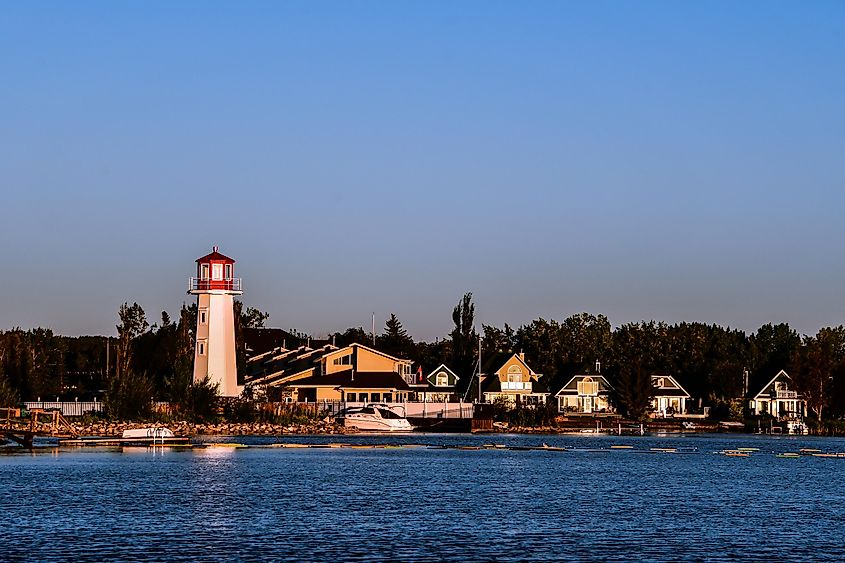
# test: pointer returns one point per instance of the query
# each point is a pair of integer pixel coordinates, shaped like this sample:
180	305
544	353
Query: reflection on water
428	504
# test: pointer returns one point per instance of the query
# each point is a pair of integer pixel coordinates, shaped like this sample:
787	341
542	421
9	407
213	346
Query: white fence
67	408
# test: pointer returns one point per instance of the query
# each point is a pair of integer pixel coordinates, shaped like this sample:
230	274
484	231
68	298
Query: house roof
571	386
781	373
443	367
495	362
670	388
215	256
360	380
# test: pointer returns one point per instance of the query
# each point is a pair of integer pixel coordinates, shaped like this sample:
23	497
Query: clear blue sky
667	160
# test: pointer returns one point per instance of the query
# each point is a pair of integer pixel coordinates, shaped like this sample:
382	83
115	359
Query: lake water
426	504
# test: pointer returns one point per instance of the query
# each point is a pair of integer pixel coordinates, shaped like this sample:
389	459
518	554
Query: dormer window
442	379
661	382
514	374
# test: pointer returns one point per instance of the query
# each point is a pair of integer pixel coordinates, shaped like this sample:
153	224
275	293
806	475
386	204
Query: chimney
522	355
598	367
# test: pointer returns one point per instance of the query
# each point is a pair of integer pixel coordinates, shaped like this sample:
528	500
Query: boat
148	434
374	418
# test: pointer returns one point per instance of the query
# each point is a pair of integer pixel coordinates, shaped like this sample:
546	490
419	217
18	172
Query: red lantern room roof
216	257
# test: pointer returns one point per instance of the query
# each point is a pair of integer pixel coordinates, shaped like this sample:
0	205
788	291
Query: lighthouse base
214	354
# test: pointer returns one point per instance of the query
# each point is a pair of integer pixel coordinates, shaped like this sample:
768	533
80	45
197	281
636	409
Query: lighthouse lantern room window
216	271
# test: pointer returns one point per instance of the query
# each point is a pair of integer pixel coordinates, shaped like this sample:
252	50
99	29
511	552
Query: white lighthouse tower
214	354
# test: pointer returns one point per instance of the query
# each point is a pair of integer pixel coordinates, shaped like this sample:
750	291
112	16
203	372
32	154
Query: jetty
23	431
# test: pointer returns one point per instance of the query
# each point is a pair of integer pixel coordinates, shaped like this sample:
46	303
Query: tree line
717	365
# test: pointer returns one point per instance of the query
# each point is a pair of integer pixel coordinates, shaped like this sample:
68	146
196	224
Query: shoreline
325	427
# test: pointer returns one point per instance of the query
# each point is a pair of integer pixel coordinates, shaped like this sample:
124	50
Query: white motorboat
374	418
148	434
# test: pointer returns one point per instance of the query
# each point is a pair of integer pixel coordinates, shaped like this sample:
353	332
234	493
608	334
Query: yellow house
509	378
354	373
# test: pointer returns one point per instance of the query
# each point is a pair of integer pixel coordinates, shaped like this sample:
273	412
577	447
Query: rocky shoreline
183	428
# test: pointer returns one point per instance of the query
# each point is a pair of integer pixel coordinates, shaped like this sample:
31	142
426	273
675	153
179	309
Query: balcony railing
785	394
516	386
207	284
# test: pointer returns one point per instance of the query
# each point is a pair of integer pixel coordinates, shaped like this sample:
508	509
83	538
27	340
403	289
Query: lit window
351	397
514	374
442	379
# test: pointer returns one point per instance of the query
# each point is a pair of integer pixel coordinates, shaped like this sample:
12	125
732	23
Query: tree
395	340
8	396
634	390
816	364
464	339
355	335
129	396
133	323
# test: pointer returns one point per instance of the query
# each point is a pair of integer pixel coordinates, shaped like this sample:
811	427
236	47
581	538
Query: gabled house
354	373
779	399
442	385
507	377
669	397
585	394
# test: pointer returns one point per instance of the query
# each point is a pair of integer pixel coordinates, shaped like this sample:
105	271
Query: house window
351	397
217	271
362	397
514	374
661	382
374	397
203	316
387	397
201	347
343	360
588	386
442	379
204	271
227	269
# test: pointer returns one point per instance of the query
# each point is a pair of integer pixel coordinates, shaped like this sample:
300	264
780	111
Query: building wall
218	335
513	361
363	360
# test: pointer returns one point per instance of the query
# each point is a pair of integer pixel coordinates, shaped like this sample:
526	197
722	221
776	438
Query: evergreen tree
395	340
464	339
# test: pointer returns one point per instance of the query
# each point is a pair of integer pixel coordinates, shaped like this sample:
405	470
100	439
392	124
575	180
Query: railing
67	408
785	394
207	284
516	386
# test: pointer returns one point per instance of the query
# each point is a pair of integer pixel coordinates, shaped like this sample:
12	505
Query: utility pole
374	330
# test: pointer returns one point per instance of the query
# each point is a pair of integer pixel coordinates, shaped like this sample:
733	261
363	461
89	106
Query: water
428	504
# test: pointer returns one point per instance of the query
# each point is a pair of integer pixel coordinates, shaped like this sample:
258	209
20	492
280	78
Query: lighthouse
215	286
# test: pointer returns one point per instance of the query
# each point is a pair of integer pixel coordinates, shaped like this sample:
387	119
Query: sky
678	161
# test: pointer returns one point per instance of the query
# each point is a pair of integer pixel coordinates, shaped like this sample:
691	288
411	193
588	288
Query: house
585	394
354	373
669	397
779	399
442	385
507	377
